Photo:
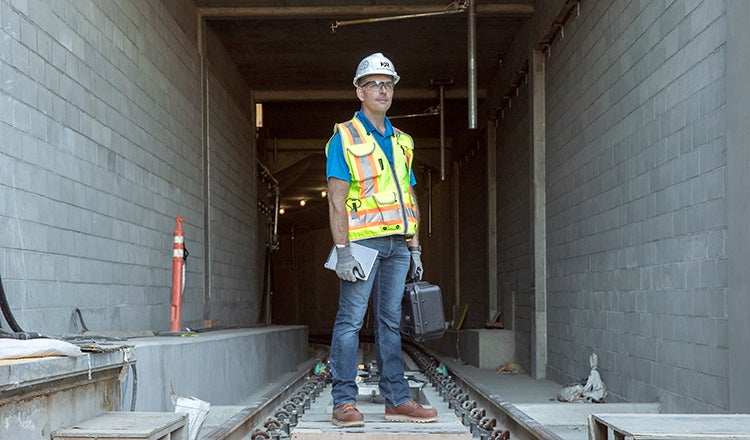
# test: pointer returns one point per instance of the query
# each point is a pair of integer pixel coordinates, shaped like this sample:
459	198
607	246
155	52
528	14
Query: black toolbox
422	316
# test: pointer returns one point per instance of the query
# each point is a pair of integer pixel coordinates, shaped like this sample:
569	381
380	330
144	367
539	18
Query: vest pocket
360	150
365	163
385	198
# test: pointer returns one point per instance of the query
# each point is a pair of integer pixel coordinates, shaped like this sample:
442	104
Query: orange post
178	262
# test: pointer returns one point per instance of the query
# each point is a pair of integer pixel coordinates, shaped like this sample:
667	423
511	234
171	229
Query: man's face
376	93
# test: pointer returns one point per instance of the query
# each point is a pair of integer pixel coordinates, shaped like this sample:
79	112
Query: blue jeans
386	283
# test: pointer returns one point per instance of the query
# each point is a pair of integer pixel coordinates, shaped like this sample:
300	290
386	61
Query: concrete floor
537	398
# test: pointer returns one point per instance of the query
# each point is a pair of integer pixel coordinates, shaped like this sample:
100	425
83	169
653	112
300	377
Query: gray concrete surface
221	367
538	399
101	125
40	395
316	422
482	348
738	203
637	201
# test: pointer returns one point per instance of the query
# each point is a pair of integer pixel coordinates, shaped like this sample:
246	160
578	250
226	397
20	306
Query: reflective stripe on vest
379	202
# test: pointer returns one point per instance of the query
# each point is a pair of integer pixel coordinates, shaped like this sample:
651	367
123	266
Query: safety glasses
378	85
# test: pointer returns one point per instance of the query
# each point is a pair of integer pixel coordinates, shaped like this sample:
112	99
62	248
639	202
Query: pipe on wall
472	64
206	148
455	7
442	131
456	240
429	203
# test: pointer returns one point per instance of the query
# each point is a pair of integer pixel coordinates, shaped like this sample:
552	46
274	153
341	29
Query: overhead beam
516	9
348	95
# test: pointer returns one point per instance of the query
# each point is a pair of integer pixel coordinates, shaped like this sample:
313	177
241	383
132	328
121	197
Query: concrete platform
670	426
570	420
39	395
316	422
127	425
482	348
537	399
221	367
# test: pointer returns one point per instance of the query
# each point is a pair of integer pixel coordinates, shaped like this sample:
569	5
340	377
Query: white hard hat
375	64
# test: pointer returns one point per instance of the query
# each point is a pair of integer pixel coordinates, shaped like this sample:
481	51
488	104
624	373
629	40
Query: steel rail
247	422
519	423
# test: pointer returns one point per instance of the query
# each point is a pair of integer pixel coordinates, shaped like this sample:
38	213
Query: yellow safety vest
379	202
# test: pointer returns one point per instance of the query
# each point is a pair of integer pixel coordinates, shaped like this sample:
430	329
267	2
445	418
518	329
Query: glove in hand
415	267
347	267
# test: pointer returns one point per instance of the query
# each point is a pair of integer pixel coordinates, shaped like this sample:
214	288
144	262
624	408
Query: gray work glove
347	267
415	267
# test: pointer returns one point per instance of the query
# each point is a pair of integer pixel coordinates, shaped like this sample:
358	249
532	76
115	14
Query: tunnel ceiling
301	72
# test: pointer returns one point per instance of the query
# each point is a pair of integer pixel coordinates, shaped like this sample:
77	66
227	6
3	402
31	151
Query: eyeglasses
378	85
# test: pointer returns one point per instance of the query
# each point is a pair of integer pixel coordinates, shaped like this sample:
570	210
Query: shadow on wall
305	292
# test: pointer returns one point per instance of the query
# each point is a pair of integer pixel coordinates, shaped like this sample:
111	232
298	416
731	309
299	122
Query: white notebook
365	255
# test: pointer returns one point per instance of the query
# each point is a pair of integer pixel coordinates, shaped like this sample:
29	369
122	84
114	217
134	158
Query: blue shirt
336	165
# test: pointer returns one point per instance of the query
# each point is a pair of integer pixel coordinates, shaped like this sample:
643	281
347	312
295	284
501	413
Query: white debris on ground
592	390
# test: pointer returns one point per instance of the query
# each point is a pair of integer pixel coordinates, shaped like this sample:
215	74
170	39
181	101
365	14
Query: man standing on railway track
371	201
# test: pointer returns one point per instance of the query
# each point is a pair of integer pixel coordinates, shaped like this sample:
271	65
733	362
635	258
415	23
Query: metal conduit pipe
429	203
455	7
272	245
442	132
265	173
456	241
275	237
441	85
429	111
472	64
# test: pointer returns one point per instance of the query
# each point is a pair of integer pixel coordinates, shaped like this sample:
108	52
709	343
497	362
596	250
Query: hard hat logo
375	64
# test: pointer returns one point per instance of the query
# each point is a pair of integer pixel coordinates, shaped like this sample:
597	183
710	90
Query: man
371	200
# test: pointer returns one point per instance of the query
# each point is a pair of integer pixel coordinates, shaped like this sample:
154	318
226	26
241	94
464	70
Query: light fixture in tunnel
281	211
259	115
323	194
302	202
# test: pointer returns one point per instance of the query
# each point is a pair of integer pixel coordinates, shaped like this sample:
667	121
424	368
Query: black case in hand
422	316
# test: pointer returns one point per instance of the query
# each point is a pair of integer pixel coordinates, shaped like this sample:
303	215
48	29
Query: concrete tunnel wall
100	121
638	192
636	189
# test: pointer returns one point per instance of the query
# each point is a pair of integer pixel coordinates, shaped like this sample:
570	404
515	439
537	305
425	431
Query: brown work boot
410	412
347	416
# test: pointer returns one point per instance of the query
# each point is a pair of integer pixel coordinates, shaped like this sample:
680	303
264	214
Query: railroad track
487	417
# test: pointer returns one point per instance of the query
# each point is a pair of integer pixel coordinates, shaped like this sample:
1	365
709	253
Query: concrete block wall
514	223
233	211
473	223
100	116
636	201
305	292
